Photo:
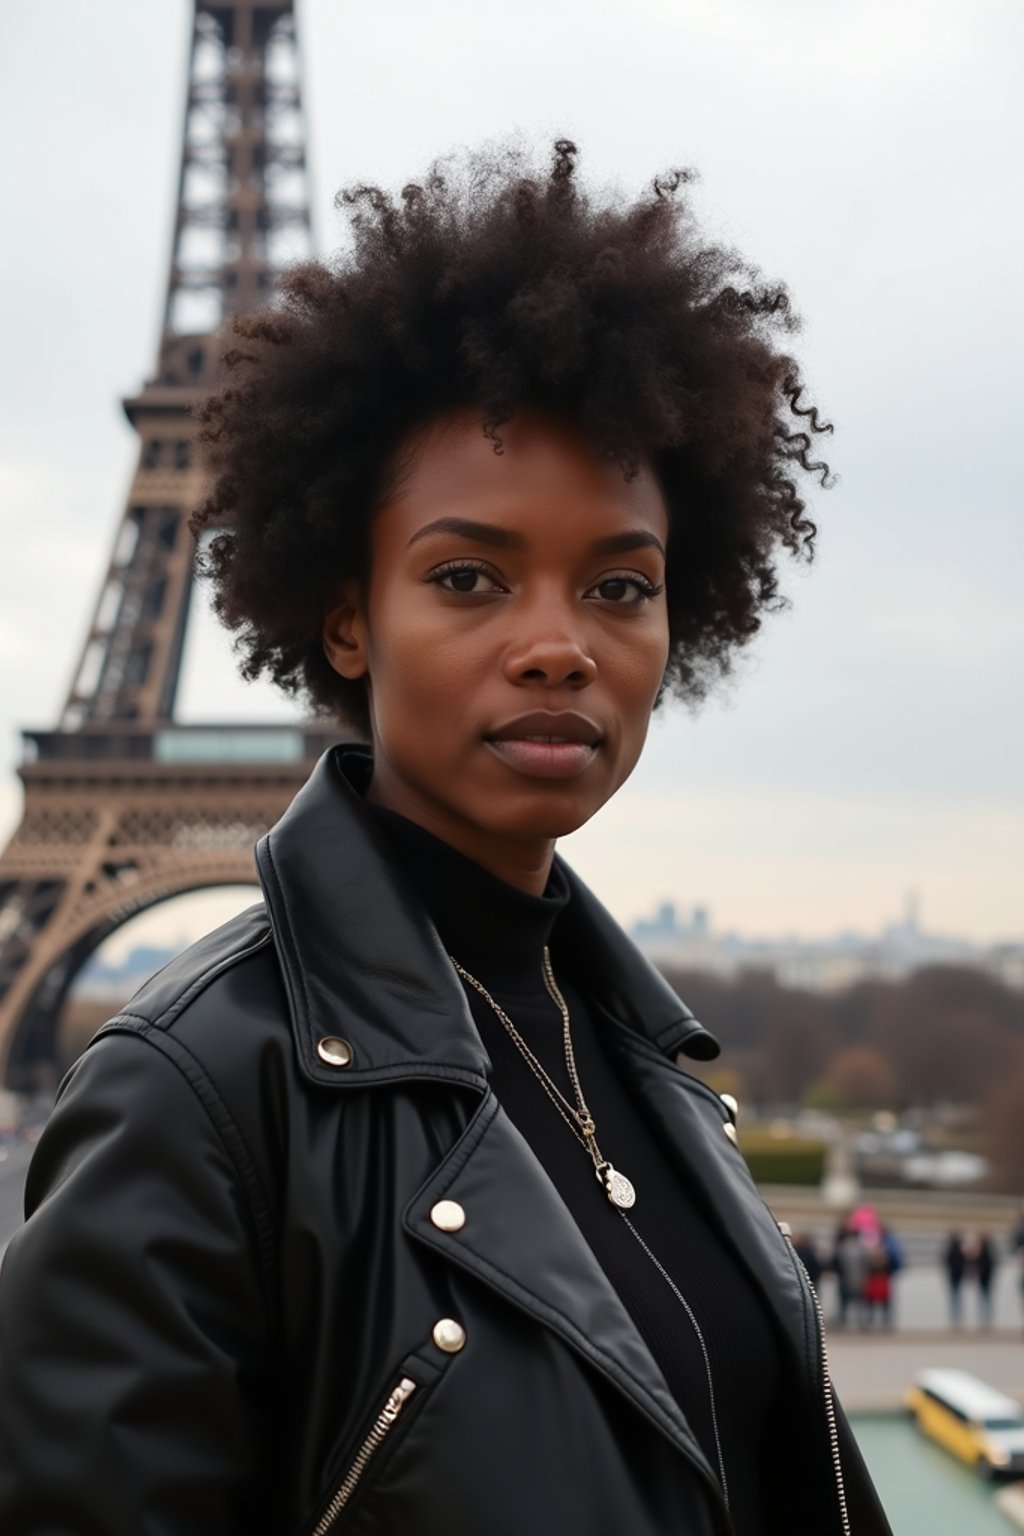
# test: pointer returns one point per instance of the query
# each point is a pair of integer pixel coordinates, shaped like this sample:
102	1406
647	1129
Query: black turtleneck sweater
498	933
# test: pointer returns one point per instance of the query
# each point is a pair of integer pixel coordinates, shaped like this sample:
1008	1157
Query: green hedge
783	1160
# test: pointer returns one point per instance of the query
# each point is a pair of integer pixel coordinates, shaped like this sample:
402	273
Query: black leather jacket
235	1307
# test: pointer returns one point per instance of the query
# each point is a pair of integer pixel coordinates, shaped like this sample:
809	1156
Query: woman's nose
550	653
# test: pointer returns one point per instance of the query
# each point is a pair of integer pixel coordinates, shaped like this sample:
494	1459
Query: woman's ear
344	635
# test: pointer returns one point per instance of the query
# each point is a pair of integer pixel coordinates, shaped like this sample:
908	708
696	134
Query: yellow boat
983	1427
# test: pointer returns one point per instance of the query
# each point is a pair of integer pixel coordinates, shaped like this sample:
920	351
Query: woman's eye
469	580
626	590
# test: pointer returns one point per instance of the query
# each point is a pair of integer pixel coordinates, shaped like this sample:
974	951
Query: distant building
688	942
100	979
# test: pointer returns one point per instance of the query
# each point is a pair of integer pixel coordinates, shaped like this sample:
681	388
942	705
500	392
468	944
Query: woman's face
513	633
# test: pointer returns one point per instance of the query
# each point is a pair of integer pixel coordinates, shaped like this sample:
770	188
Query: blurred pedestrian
894	1248
1017	1247
887	1259
894	1251
954	1260
878	1285
981	1267
851	1266
806	1251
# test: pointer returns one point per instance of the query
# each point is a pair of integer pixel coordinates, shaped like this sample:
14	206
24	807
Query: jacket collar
360	958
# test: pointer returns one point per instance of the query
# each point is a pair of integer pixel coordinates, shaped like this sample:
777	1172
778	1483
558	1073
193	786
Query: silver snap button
731	1104
448	1216
449	1335
335	1051
730	1131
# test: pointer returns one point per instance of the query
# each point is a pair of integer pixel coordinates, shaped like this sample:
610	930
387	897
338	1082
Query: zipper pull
393	1407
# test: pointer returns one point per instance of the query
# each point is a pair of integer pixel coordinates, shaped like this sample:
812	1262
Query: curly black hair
490	285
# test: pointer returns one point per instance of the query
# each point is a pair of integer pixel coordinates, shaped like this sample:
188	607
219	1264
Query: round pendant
618	1189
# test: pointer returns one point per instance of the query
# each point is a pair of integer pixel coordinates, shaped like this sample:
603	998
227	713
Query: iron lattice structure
123	805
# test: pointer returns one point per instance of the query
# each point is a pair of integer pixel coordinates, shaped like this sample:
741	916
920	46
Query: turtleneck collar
495	930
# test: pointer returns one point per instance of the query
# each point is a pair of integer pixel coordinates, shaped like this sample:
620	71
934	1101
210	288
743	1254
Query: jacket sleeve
133	1318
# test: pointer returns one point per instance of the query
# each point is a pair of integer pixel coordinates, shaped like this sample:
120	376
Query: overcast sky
866	153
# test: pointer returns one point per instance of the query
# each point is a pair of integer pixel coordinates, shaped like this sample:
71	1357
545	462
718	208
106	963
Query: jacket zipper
830	1412
374	1440
826	1377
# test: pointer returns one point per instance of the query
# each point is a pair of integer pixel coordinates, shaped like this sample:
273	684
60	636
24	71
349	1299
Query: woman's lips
544	758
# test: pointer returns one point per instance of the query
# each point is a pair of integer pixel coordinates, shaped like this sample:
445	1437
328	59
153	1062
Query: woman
391	1205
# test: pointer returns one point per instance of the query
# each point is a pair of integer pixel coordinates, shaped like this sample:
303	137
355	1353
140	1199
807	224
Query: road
872	1374
14	1162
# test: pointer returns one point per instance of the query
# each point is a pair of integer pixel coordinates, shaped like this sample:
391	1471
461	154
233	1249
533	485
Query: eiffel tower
124	806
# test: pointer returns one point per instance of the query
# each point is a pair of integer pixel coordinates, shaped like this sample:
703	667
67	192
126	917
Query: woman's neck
522	862
496	929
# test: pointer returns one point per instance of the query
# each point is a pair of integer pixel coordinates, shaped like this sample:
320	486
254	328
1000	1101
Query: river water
925	1490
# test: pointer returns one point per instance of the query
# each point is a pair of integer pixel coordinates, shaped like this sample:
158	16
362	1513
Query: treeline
946	1035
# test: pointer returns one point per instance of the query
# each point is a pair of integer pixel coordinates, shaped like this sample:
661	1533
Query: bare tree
859	1077
1004	1132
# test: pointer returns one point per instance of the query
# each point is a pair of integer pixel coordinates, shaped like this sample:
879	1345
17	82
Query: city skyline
684	918
675	940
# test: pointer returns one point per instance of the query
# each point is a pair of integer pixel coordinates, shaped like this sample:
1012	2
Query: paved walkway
871	1374
921	1299
872	1369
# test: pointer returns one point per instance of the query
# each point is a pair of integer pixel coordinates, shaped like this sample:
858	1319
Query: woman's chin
548	822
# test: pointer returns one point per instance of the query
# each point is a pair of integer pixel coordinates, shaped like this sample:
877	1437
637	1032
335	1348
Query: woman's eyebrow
622	543
466	528
505	538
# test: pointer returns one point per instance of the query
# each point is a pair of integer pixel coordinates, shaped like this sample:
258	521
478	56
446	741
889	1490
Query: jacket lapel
360	957
513	1209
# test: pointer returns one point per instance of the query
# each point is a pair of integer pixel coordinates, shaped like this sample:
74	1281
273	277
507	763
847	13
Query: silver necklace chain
677	1293
579	1119
618	1188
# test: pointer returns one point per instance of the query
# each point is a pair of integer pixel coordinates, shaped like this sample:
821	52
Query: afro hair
493	285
